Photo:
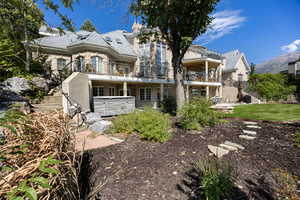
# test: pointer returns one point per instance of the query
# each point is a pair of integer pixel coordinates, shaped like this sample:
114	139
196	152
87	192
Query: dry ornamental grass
39	154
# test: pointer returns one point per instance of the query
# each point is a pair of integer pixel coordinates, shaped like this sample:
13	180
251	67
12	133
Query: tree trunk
179	81
26	44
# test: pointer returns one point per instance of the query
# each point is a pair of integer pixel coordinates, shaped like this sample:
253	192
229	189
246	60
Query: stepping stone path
228	146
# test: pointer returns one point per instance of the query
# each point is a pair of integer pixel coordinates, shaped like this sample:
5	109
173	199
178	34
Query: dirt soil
139	170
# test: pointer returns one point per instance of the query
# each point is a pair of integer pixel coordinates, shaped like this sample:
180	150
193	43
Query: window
79	64
111	91
112	67
61	64
97	63
145	94
144	57
161	51
122	94
98	91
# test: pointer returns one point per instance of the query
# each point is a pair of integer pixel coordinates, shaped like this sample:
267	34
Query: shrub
216	180
297	139
168	105
197	113
271	86
286	185
150	124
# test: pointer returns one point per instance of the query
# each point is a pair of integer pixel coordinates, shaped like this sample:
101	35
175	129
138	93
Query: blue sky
262	29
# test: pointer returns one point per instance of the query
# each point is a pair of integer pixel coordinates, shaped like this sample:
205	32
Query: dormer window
119	41
108	39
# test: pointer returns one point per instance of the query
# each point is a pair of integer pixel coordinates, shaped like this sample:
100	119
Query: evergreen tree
88	26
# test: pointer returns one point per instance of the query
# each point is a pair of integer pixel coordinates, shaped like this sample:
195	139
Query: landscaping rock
249	132
228	147
250	123
255	127
100	126
40	83
217	151
2	135
92	118
234	145
16	84
247	137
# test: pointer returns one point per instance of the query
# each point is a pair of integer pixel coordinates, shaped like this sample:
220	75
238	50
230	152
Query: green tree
88	26
252	69
179	23
271	86
20	21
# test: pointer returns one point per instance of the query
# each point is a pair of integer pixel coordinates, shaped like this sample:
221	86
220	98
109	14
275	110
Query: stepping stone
228	147
250	123
234	145
249	132
247	137
254	127
218	151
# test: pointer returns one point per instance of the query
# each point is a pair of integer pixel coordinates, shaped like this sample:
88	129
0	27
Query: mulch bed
139	170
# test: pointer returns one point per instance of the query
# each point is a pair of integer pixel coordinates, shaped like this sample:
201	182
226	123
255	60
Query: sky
262	29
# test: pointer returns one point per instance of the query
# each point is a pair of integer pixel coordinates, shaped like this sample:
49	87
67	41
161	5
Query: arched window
79	64
61	64
97	63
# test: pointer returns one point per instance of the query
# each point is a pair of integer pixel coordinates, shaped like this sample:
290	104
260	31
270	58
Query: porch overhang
111	78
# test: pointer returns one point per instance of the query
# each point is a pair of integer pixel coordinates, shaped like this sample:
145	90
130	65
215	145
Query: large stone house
115	64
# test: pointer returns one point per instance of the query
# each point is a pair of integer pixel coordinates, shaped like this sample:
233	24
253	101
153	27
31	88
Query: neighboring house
293	69
116	64
236	69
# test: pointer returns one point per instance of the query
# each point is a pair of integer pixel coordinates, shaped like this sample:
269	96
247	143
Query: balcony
201	76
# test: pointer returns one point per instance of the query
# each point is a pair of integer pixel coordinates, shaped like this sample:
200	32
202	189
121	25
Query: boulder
100	126
40	83
17	85
2	134
92	117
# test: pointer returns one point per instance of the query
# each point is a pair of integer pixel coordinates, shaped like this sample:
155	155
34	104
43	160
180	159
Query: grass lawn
272	112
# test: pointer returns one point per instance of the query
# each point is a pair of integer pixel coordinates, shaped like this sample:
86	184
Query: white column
187	93
161	92
207	92
220	73
206	70
125	89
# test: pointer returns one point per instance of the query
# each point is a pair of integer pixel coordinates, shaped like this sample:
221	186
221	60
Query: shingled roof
232	59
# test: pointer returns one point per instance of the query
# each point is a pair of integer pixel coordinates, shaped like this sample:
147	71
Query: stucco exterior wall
77	87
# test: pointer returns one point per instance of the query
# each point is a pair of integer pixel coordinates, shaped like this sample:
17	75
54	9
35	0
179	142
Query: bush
168	105
297	139
216	179
271	86
150	124
197	114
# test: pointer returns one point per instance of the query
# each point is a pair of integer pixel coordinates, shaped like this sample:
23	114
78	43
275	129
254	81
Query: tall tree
252	69
179	22
21	19
88	26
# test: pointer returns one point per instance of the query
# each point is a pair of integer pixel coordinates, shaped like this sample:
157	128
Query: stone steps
52	100
46	107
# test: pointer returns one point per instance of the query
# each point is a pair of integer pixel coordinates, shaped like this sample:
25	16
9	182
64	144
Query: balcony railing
201	77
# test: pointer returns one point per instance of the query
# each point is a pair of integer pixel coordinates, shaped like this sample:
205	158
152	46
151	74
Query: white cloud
294	46
224	23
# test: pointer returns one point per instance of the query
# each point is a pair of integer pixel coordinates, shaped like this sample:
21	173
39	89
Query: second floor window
79	64
97	63
112	91
112	67
144	57
161	51
98	91
61	64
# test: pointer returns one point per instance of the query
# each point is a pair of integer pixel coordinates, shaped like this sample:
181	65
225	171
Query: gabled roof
232	59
